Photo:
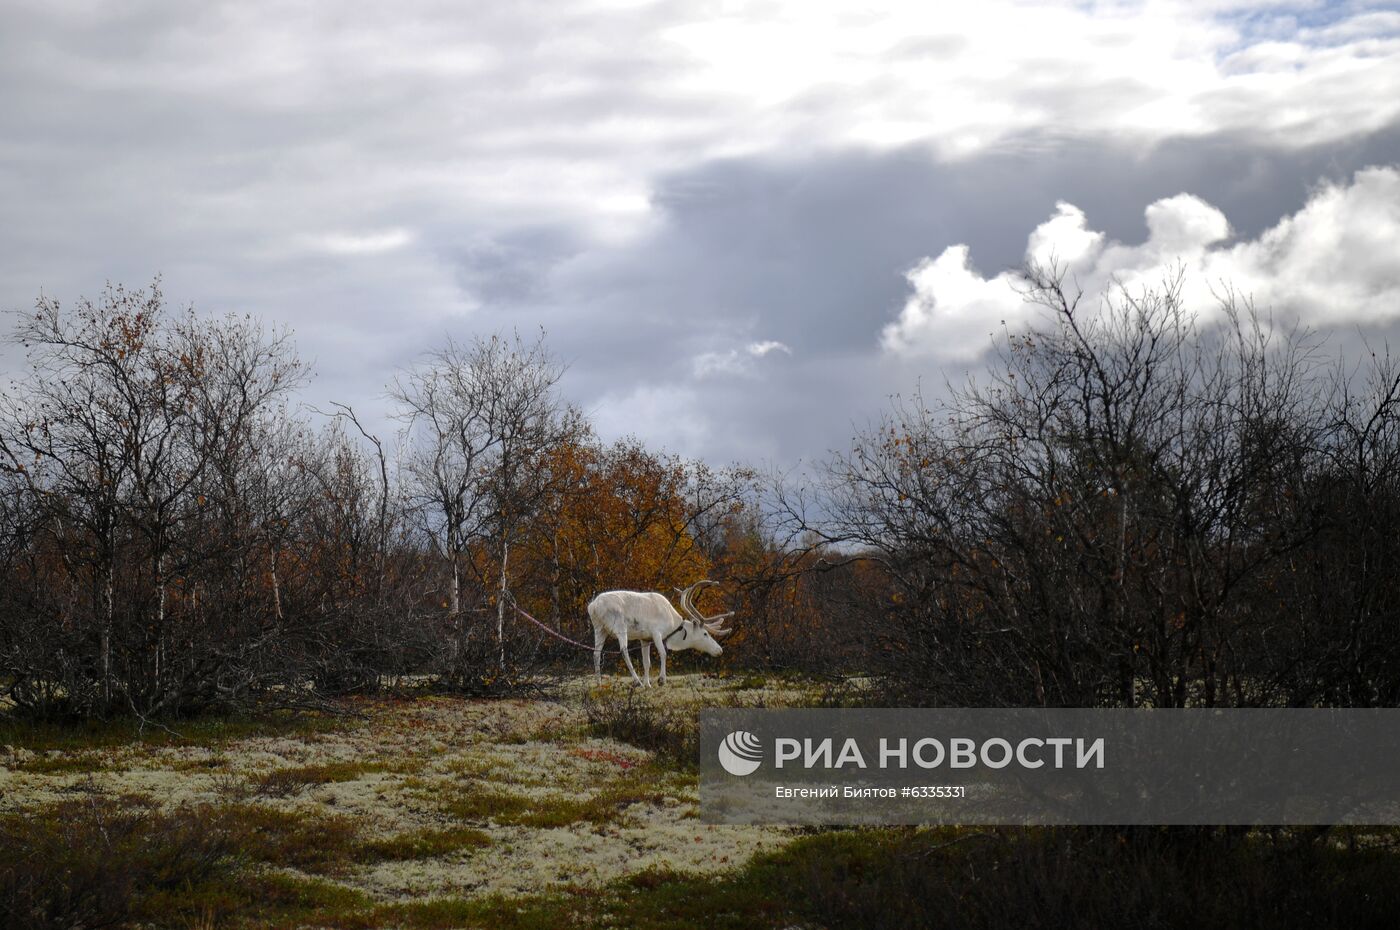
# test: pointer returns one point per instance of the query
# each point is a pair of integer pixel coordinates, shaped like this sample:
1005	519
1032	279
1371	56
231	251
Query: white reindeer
649	616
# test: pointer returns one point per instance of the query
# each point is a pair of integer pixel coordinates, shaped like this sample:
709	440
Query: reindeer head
697	631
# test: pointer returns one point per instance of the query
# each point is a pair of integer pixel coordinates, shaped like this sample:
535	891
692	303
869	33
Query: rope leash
552	632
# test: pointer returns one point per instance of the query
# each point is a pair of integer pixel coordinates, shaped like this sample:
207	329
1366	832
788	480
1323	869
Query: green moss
422	844
497	912
477	803
292	899
205	764
471	766
262	900
292	779
652	900
661	898
302	840
213	732
480	802
66	763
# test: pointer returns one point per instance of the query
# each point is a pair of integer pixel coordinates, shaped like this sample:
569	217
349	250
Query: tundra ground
576	809
429	804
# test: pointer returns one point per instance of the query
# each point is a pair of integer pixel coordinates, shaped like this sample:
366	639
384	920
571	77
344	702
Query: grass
606	806
42	736
260	901
906	879
60	763
630	716
183	869
493	911
913	879
95	862
323	844
423	844
311	842
209	764
475	801
473	767
289	780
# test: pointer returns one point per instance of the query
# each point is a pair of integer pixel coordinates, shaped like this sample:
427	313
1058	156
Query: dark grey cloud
513	267
655	185
812	252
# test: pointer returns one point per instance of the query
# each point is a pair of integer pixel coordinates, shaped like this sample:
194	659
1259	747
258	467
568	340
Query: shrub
301	839
1144	878
90	863
630	716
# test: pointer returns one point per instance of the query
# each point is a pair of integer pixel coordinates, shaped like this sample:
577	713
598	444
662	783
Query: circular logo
741	753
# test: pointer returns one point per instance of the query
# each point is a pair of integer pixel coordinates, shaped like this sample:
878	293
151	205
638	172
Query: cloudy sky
743	224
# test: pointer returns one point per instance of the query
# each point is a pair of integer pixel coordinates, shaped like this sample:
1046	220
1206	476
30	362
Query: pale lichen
569	809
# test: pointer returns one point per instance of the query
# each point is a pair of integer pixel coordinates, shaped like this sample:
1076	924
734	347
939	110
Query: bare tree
483	418
1094	524
112	433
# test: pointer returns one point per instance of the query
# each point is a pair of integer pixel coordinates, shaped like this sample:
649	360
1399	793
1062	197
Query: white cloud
1334	261
760	349
735	361
953	309
969	76
1065	237
1337	260
368	243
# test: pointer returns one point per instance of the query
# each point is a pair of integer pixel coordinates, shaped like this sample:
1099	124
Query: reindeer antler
713	624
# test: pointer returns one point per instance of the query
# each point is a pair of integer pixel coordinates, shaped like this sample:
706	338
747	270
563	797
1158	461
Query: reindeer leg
646	663
600	636
661	655
622	644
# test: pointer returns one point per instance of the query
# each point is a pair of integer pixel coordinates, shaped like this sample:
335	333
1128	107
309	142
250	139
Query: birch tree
484	417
